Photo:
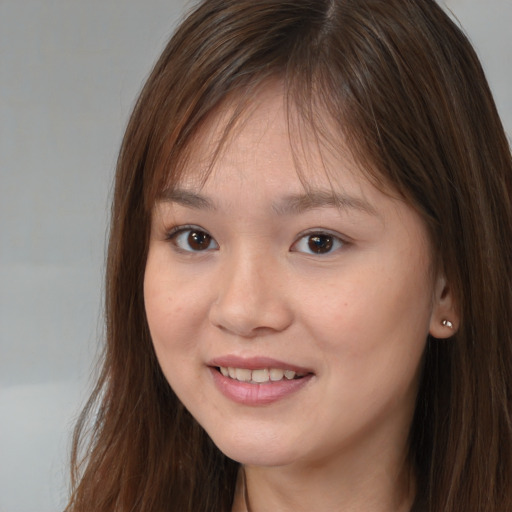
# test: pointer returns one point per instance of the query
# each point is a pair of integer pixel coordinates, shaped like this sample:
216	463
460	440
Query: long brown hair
409	96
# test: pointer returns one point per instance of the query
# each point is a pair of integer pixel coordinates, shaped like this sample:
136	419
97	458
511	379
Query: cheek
373	320
168	309
170	315
170	322
371	333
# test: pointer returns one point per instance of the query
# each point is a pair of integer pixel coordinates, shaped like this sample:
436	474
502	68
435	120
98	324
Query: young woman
309	276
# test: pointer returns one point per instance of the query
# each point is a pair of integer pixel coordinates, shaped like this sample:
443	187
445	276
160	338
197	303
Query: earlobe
444	321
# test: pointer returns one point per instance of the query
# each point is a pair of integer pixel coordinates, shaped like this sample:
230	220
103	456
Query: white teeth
243	374
276	374
259	376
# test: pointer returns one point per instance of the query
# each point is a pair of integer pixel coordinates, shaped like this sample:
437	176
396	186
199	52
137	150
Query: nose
251	298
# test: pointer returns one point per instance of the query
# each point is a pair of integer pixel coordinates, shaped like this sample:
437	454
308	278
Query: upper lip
255	363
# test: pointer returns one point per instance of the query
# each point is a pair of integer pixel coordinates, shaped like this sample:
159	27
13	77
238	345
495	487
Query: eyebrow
317	198
289	205
186	198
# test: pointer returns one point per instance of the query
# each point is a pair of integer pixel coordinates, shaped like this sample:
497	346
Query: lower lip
257	394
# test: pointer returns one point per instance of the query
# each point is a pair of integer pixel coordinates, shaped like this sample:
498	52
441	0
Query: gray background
69	73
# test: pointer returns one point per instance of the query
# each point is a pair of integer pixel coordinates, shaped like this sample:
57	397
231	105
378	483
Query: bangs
313	129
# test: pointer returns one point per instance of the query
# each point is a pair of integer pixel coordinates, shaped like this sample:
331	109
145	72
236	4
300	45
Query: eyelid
171	232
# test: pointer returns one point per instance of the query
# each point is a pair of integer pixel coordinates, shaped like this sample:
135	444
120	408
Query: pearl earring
447	323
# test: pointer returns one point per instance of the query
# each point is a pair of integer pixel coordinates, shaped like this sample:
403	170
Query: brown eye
199	240
193	240
320	244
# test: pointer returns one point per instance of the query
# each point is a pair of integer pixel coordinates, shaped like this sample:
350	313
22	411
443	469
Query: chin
254	450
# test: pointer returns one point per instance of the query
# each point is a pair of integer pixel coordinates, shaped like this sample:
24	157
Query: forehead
267	130
262	157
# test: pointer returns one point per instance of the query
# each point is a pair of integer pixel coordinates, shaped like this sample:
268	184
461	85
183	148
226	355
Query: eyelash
333	241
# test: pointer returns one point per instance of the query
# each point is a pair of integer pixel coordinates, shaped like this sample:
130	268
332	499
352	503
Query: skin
357	316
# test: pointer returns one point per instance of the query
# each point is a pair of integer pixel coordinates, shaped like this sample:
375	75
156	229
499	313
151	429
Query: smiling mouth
260	376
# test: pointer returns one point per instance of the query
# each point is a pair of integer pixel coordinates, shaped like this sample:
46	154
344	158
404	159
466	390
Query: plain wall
69	74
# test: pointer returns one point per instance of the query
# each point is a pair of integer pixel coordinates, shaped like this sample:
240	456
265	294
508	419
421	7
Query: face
291	324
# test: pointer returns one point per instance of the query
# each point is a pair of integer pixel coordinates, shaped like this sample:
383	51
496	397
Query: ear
445	319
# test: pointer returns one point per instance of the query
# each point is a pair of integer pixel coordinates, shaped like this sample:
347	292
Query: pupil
320	243
198	240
